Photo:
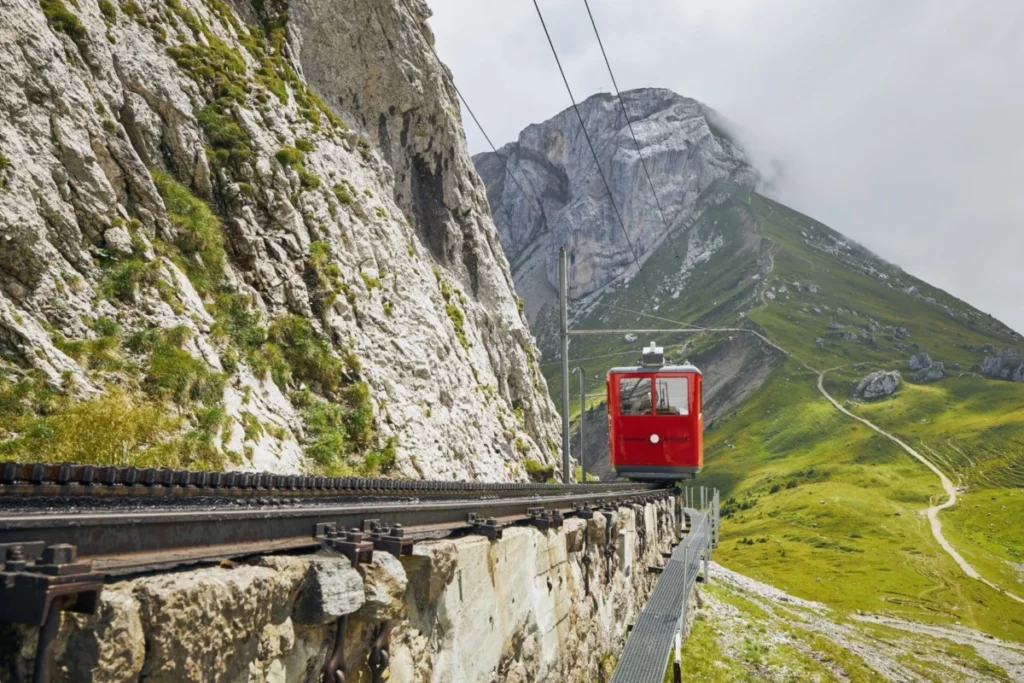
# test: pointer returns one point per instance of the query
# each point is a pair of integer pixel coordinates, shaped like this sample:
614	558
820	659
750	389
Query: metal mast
563	309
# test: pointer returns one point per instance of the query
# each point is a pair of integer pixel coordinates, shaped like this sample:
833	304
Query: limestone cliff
685	151
250	235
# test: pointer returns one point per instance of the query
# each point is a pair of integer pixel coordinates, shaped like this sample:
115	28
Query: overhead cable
593	153
629	123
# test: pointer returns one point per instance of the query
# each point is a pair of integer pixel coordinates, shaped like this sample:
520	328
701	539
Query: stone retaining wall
467	609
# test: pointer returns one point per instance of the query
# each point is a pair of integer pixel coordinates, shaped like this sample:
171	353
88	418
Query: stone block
331	589
384	584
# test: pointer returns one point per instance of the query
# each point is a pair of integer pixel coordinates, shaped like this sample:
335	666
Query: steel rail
162	486
116	540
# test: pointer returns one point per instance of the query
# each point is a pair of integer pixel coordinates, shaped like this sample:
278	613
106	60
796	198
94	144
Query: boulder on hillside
1007	364
878	384
920	361
933	372
926	369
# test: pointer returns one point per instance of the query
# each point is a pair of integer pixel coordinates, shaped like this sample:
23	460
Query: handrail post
677	666
583	419
686	578
718	519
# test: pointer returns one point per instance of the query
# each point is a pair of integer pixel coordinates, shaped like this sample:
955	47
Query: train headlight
655	438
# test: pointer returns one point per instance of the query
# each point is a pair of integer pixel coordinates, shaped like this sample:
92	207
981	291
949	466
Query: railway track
65	529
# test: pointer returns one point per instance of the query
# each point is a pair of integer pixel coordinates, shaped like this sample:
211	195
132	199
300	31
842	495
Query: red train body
655	419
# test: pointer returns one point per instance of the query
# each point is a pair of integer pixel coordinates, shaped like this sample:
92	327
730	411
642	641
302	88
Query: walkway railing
659	628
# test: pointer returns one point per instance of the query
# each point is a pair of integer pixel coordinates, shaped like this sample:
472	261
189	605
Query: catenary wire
593	153
622	103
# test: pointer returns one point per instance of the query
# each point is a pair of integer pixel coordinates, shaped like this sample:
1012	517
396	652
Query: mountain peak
683	146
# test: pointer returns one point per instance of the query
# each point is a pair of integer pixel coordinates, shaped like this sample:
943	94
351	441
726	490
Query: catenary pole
563	306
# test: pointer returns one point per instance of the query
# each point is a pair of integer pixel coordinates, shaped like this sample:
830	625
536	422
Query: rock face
264	223
464	610
878	384
1007	364
685	151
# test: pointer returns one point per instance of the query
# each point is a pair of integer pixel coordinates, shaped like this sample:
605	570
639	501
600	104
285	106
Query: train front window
673	396
635	396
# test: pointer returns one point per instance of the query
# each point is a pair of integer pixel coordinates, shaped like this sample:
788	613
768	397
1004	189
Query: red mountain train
655	419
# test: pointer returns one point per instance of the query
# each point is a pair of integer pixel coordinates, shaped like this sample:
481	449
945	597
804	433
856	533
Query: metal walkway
645	657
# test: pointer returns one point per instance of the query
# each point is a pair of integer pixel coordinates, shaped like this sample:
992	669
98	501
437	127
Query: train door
635	414
675	406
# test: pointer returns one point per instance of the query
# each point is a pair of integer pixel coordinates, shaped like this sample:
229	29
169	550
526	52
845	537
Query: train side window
673	396
635	396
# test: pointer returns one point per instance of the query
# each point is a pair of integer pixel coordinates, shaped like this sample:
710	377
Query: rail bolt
15	559
62	553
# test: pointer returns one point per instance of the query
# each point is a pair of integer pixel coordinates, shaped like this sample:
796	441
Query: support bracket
37	583
380	657
583	511
545	519
390	540
34	575
353	543
488	527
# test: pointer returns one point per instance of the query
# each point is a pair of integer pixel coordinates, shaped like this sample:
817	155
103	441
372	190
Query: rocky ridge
251	236
685	149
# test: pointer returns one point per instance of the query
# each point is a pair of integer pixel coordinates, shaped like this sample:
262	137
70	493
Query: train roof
685	367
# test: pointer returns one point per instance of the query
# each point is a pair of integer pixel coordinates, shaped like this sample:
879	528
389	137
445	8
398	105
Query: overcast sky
897	122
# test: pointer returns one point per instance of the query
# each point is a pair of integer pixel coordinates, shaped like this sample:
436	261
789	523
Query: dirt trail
933	511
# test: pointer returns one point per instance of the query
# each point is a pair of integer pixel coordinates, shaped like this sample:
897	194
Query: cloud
900	124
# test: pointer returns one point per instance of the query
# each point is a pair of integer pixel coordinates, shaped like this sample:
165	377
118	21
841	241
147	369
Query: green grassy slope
850	533
820	504
759	245
828	510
